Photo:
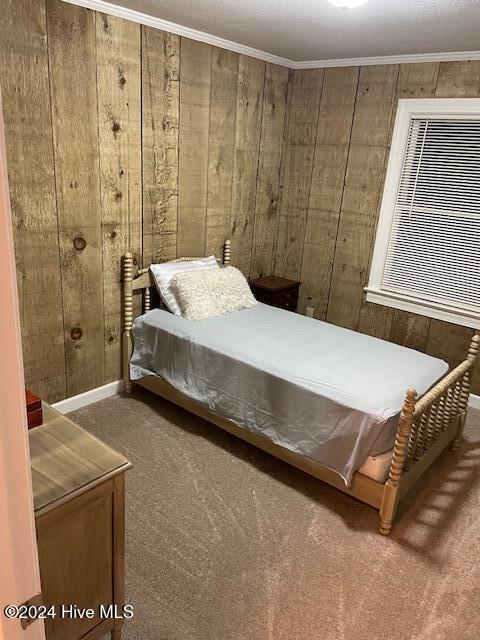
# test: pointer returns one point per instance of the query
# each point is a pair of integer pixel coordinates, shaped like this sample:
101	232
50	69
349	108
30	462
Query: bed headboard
139	281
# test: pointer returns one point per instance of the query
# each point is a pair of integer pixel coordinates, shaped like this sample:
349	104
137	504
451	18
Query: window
427	249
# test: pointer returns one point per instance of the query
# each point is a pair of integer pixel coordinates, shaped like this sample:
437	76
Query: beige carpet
227	543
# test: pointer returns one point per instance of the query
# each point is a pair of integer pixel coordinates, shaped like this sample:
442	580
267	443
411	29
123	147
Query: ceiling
305	30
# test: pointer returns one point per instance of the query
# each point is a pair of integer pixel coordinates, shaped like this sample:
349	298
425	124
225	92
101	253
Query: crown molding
172	27
451	56
201	36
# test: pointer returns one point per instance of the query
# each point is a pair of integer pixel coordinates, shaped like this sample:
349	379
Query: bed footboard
426	428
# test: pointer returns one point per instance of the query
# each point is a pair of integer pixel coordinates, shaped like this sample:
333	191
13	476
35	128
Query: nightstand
277	292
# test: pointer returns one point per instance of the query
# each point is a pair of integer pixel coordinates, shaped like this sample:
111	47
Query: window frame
455	108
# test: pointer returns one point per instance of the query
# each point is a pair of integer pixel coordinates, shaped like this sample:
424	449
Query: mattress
377	467
317	389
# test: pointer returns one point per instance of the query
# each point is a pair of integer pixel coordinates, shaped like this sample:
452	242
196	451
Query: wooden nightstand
78	494
277	292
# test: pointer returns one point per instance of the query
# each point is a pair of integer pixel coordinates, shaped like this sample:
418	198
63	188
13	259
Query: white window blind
427	252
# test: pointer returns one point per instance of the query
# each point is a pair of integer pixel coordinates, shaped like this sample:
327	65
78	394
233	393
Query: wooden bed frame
427	425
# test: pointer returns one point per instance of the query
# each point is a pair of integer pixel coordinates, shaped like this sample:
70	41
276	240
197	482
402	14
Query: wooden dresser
277	292
78	489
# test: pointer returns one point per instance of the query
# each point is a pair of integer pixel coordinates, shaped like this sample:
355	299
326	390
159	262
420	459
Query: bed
325	399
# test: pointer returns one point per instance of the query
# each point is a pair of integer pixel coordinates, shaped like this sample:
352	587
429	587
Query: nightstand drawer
284	299
277	292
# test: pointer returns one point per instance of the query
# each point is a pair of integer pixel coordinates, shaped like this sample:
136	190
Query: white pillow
205	294
163	274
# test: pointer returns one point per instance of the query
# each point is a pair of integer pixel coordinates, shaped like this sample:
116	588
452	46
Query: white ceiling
302	30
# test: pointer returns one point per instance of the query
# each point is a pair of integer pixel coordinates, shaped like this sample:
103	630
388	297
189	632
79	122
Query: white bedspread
312	387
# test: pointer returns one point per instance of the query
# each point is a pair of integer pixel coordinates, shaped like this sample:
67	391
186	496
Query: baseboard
474	401
89	397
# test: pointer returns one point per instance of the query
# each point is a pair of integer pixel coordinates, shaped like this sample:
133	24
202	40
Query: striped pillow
163	274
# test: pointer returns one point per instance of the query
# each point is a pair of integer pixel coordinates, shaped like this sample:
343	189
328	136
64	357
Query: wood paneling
124	137
363	184
195	67
28	131
458	79
248	118
160	114
268	177
71	37
221	136
299	152
328	176
344	205
119	134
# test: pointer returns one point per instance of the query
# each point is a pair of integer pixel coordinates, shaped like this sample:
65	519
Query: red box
34	409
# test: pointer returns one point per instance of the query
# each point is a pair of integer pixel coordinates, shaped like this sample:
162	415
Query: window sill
421	307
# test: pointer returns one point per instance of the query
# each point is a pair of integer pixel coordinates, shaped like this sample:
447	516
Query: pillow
163	274
209	293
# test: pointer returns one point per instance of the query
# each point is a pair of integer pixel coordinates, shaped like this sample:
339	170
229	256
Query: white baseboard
474	401
89	397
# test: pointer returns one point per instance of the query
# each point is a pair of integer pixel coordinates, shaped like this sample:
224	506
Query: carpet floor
225	542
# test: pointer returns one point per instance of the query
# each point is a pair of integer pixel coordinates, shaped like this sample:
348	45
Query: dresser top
273	283
65	459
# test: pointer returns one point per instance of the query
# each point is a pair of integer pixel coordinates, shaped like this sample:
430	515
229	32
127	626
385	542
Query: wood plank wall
337	142
122	137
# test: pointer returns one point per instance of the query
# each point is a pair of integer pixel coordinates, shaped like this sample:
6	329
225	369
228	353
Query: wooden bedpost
227	247
390	491
146	300
465	391
127	318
